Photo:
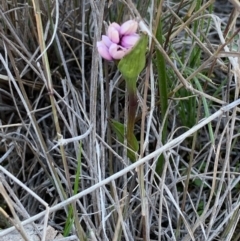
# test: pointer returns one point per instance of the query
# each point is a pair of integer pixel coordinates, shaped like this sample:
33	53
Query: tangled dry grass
61	164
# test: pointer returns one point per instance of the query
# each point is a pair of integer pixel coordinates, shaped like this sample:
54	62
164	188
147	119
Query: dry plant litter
63	173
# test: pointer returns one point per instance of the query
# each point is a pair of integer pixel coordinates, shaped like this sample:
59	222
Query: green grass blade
70	217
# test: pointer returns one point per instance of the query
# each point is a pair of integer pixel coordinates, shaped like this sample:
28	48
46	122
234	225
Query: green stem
132	108
162	82
163	93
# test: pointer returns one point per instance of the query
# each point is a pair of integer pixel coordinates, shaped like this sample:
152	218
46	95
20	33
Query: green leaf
132	143
133	63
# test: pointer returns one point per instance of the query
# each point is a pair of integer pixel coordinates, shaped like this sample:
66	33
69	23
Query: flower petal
115	25
117	51
106	40
129	27
103	51
113	33
129	41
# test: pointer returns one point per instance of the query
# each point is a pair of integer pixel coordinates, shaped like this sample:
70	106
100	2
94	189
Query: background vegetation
62	165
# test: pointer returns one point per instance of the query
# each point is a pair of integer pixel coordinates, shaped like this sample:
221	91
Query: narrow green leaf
69	222
132	143
70	218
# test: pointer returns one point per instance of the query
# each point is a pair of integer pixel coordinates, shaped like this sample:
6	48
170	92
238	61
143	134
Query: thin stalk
162	80
109	134
125	213
80	232
189	169
49	80
141	168
162	87
132	108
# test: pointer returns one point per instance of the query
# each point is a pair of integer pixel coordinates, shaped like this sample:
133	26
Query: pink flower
119	40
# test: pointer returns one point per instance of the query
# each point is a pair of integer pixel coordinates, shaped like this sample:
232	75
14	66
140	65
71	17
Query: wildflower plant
122	43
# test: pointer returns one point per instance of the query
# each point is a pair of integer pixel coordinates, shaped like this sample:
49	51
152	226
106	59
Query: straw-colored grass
61	165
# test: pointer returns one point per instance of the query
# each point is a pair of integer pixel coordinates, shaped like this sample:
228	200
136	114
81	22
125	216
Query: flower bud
129	27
